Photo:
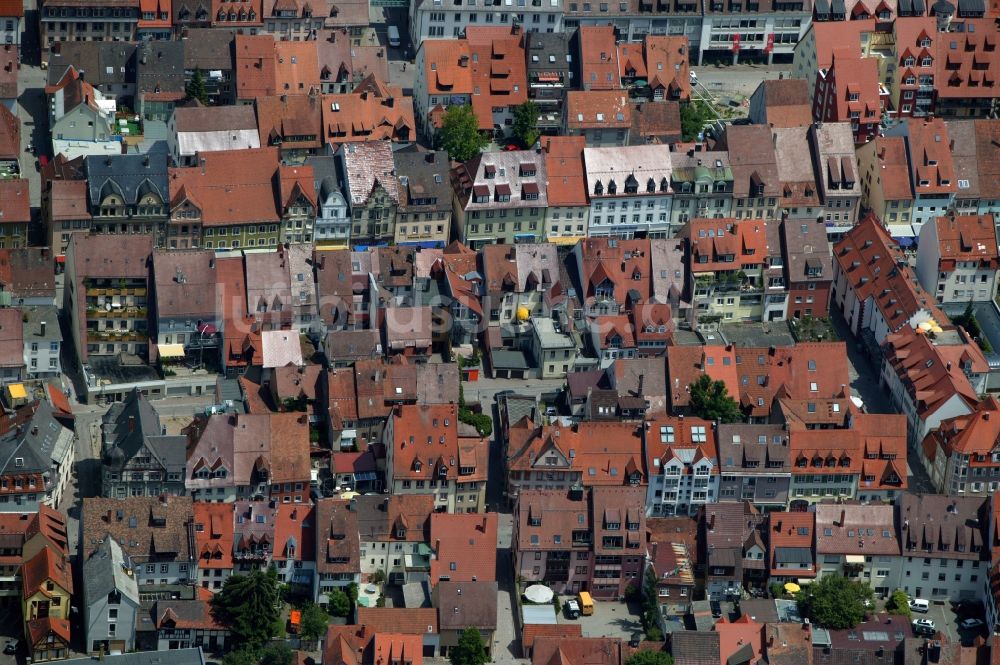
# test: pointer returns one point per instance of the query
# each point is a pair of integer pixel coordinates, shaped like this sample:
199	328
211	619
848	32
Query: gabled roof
214	534
875	268
48	565
602	453
109	569
464	546
930	374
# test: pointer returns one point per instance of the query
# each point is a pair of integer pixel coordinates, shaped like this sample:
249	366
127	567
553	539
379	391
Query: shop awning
171	350
565	240
17	391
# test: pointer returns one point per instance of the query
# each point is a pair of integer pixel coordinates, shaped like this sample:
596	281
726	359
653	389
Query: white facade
968	280
754	29
918	426
630	192
430	19
681	485
333	223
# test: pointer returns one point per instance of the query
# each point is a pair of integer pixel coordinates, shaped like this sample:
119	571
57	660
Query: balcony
252	555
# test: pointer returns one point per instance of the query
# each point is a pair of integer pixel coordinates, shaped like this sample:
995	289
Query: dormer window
598	188
612	187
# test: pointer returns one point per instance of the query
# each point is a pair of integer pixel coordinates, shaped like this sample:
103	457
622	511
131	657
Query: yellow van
586	604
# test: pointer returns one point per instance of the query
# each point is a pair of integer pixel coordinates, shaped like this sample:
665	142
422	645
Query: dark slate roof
170	451
102	63
424	175
33	444
129	175
208	48
545	44
160	67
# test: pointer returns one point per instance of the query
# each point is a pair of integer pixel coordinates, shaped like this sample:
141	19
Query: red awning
61	258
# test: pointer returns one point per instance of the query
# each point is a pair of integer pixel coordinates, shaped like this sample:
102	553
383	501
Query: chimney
711	522
43	328
843	518
202	161
483	526
131	424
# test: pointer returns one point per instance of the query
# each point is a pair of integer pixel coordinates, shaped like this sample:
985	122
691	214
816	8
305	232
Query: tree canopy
469	650
195	88
312	625
898	603
694	116
526	123
836	602
249	605
710	400
460	134
339	604
276	653
650	658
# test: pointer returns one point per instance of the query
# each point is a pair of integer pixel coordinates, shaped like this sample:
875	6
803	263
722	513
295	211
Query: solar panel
875	636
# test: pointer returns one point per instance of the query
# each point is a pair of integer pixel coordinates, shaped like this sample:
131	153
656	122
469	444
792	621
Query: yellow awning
565	240
171	350
17	391
330	247
855	558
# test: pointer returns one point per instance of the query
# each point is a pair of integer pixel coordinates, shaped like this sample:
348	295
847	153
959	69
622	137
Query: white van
393	36
919	605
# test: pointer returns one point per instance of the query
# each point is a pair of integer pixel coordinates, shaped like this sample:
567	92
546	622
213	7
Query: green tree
898	603
276	653
195	88
460	135
241	657
313	623
526	123
710	400
249	605
650	607
836	602
694	116
650	658
469	650
339	604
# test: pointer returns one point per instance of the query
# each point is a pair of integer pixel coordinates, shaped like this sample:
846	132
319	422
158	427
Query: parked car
969	624
919	605
11	646
716	608
572	609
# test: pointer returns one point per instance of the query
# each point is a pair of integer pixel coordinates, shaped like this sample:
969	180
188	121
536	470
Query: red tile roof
294	533
240	186
48	565
447	70
426	443
875	268
598	58
15	205
668	438
602	453
788	529
967	238
407	621
398	648
976	434
893	168
375	114
852	75
726	244
11	8
292	121
533	631
967	63
213	534
931	161
598	109
499	70
686	363
10	134
465	547
255	66
810	371
932	374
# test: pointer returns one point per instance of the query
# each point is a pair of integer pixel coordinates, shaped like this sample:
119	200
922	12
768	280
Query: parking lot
610	619
946	621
